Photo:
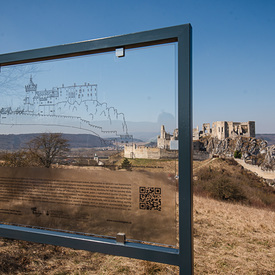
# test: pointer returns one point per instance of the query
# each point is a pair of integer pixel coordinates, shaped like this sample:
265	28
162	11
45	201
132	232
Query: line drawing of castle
75	106
48	102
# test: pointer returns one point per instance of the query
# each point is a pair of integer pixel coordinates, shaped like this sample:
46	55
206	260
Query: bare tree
46	147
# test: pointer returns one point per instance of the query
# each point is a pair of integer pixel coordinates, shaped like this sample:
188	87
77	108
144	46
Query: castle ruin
225	129
166	140
167	144
167	147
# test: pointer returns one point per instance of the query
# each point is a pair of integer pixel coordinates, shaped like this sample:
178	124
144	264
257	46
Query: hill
226	180
270	138
16	142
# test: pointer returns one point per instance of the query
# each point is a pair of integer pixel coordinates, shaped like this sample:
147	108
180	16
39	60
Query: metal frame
182	257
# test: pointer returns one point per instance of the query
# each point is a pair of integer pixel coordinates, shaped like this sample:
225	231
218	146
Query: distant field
270	138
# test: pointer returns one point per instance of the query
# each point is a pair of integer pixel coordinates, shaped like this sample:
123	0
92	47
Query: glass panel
89	144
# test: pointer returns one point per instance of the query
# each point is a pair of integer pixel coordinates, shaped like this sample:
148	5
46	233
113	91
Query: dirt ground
256	169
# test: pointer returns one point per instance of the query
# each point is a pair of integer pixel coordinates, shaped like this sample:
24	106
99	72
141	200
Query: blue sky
233	44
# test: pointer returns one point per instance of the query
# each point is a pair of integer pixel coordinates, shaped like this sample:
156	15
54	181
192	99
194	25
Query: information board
139	204
124	107
96	146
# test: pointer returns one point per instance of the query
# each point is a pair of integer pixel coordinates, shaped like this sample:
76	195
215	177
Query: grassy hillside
225	179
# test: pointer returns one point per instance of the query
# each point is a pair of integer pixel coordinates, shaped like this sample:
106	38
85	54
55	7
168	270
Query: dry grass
228	239
233	239
225	179
20	257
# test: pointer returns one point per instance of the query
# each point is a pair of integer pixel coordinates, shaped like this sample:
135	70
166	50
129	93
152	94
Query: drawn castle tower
30	89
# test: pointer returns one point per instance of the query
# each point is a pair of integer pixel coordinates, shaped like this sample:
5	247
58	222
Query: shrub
230	182
237	154
126	164
18	159
225	189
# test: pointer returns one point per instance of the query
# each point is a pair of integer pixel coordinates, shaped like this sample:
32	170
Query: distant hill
270	138
16	142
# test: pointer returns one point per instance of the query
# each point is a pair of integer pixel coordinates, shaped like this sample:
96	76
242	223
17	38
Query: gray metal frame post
182	257
186	153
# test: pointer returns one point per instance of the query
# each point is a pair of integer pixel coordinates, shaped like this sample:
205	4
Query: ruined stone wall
252	128
206	130
196	133
219	129
163	141
143	152
225	129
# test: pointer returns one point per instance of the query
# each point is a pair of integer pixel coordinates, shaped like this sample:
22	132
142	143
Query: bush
224	189
126	164
230	182
237	154
18	159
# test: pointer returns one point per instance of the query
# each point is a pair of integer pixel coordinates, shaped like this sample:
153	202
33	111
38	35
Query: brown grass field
229	238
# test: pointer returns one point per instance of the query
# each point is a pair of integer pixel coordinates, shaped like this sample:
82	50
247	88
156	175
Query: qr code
150	198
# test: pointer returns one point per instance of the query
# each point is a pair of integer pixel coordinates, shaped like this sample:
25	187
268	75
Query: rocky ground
253	151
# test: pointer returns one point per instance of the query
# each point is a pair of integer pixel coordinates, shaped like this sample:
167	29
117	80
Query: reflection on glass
119	117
